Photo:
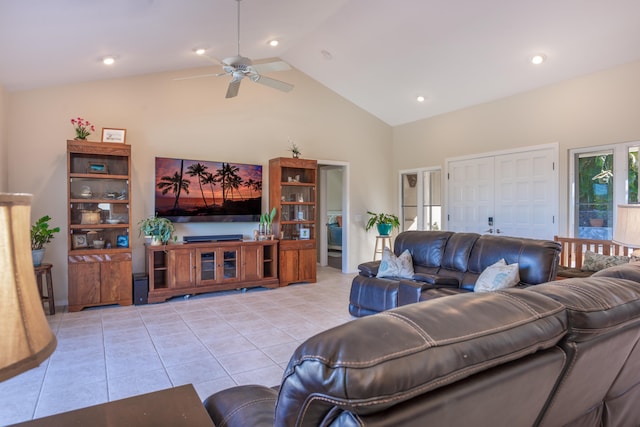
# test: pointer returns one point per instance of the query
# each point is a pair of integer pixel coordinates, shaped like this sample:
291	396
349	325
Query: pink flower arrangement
83	127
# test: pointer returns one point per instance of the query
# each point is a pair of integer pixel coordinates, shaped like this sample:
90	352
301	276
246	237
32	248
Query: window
601	178
421	204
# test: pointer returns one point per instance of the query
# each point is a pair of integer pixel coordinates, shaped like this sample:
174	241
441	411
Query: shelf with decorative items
99	223
292	191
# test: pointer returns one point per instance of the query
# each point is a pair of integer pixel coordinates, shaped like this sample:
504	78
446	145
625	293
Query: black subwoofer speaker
140	288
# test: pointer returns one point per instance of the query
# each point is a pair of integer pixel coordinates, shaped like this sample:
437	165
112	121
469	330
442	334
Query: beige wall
4	174
602	108
191	119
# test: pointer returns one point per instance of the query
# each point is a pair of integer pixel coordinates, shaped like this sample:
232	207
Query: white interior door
525	194
471	194
513	194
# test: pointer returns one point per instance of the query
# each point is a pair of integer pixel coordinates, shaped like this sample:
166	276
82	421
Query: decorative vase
78	138
155	241
384	229
37	255
265	232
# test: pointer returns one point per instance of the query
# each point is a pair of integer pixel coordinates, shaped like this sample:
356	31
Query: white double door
513	194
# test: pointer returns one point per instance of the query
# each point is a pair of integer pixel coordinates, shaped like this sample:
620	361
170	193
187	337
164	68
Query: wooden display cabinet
292	191
192	268
99	223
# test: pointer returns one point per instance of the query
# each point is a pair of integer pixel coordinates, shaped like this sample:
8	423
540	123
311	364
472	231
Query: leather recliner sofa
447	263
564	353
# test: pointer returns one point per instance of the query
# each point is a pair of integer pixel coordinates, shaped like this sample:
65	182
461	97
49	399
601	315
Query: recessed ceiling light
200	51
538	59
108	60
420	98
274	43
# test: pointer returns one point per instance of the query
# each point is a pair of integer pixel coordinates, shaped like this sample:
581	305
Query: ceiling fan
239	67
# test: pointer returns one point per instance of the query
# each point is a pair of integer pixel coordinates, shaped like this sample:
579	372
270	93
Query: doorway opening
333	217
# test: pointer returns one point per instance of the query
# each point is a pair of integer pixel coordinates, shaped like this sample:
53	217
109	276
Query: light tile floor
214	341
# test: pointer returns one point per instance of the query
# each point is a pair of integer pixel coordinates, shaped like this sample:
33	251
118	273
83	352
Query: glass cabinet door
230	264
98	201
298	204
207	265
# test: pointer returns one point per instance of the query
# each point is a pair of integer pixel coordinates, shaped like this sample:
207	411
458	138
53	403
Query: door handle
498	231
489	230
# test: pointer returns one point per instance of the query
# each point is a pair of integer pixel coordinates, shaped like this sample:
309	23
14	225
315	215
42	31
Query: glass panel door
421	204
594	204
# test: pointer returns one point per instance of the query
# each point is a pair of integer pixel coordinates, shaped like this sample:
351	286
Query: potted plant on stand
384	222
41	234
158	229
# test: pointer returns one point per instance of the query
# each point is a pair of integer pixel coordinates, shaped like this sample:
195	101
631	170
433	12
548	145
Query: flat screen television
207	191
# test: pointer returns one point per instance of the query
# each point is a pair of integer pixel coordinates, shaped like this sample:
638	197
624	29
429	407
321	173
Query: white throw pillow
498	276
393	266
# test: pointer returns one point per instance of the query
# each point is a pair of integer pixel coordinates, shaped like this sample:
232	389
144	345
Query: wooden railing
573	249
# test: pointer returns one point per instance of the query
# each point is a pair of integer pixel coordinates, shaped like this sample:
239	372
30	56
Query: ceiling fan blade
232	90
269	67
199	76
212	59
276	84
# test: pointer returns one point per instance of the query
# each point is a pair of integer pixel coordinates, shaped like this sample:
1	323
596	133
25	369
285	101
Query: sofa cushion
538	259
595	305
629	271
375	362
498	276
395	266
426	248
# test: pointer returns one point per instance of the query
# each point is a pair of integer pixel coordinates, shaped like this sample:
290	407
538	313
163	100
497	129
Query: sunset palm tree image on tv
202	191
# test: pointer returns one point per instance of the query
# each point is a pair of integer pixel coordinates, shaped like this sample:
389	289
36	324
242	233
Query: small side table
381	242
174	407
43	272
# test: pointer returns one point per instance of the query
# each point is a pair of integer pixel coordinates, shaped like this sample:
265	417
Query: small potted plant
41	234
384	222
295	150
82	127
159	229
266	219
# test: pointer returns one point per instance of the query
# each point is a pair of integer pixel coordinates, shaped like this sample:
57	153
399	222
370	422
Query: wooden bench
573	250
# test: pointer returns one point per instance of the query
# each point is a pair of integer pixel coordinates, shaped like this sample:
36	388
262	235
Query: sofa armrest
369	269
248	405
409	291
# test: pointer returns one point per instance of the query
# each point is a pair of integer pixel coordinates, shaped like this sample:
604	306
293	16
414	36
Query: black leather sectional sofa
447	263
564	353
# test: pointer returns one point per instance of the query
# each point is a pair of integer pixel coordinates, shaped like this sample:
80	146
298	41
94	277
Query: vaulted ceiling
378	54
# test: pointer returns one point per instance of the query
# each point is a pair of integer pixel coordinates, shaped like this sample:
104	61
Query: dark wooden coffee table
173	407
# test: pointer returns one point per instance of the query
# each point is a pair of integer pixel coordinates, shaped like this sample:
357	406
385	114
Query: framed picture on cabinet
304	233
114	135
79	241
